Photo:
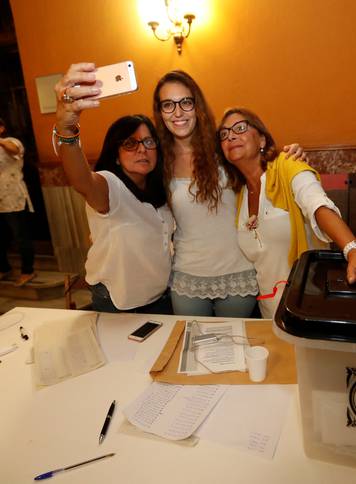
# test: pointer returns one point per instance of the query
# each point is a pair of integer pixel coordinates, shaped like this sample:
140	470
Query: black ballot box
317	313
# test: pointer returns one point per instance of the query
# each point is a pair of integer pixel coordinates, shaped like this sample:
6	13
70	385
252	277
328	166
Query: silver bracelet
351	245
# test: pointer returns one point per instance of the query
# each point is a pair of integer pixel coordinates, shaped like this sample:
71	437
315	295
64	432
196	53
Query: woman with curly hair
210	274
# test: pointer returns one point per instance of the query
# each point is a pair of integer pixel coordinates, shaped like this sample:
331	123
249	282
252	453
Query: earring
262	150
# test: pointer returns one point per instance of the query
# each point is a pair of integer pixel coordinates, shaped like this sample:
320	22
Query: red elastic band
275	289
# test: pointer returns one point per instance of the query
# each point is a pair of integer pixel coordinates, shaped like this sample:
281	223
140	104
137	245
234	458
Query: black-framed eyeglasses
131	144
168	105
237	128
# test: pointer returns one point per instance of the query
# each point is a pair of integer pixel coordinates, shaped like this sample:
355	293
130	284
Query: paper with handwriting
249	417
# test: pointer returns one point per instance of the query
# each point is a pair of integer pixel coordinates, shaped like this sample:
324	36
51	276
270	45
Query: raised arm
74	94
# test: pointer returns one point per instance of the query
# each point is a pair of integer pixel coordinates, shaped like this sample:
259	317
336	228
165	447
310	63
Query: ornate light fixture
179	27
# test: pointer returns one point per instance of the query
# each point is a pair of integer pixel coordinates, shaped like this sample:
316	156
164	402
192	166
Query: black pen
107	422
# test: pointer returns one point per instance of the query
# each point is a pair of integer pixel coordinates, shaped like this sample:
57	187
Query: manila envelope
281	367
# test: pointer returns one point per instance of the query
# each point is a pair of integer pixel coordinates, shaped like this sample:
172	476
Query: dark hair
236	178
118	132
205	161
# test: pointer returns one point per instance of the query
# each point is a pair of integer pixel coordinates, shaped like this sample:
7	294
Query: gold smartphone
116	79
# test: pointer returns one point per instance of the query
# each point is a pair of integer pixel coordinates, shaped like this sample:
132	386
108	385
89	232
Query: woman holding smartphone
129	262
211	275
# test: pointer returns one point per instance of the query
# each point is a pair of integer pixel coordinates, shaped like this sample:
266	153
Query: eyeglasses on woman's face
169	106
132	144
237	128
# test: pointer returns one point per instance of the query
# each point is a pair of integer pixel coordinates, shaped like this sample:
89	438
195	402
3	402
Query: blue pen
49	474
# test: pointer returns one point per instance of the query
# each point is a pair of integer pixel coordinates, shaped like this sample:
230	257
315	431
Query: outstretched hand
74	94
296	151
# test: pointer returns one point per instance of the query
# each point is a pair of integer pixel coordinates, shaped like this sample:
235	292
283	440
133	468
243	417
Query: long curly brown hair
236	178
205	158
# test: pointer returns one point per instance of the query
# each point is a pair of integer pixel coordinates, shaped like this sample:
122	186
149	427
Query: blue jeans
18	223
101	301
230	306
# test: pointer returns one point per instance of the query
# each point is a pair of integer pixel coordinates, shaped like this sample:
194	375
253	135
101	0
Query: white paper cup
256	361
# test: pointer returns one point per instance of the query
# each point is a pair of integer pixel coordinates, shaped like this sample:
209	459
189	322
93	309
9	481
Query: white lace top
208	262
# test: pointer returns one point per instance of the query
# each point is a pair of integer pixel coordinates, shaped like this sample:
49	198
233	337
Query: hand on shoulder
295	151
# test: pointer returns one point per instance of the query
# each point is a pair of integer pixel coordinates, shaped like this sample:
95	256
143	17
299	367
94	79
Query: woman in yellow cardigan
282	209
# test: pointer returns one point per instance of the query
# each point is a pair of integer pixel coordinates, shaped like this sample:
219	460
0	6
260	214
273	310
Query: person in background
282	208
211	275
15	204
131	226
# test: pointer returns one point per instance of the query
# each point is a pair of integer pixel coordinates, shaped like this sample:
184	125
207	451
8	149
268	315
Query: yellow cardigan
279	175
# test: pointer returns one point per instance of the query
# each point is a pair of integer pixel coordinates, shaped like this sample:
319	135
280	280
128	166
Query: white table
45	429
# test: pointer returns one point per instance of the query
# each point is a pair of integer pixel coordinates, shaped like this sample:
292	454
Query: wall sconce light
179	28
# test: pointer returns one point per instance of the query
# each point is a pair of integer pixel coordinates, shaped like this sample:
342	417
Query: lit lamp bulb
178	26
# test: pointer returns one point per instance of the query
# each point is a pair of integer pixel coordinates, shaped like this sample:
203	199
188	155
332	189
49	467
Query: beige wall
292	61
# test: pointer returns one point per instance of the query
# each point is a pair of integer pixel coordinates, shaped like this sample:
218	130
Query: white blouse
268	245
131	251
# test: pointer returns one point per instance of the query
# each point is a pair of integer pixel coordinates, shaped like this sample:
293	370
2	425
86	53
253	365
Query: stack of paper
229	415
63	349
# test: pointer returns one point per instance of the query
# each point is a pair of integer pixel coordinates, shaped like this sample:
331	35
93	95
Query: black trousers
18	224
